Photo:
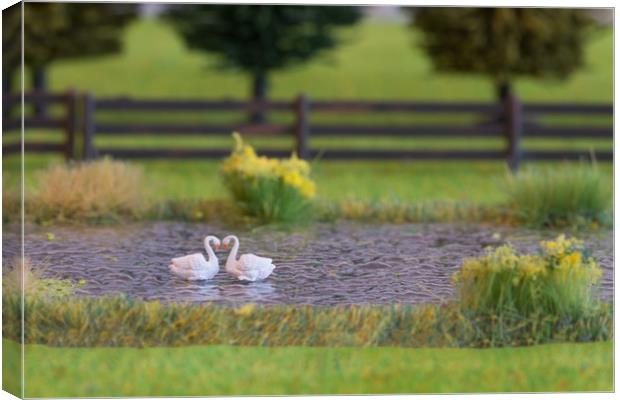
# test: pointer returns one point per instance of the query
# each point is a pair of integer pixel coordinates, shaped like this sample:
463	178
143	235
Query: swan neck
233	253
209	249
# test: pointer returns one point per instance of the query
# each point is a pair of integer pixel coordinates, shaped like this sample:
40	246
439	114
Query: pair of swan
248	267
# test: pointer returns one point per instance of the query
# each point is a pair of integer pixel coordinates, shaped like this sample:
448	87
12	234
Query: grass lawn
376	61
480	181
229	370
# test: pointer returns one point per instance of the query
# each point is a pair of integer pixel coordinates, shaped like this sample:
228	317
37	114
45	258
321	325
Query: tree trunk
259	94
504	89
7	82
39	84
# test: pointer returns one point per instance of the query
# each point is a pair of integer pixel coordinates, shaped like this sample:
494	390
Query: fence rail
511	121
66	123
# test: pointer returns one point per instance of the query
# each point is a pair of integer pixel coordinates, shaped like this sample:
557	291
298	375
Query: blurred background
156	52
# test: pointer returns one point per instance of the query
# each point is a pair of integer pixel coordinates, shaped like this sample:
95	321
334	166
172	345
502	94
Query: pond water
323	264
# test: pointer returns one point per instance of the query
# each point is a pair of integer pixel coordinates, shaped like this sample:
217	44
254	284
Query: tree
504	42
54	31
261	39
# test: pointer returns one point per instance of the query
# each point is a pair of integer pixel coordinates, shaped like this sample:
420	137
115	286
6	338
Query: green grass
156	63
230	370
479	181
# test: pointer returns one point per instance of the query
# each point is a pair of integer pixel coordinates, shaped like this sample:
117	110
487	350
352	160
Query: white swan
248	267
194	267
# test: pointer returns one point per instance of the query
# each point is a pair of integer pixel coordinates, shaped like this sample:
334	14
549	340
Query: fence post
70	127
514	129
302	127
88	151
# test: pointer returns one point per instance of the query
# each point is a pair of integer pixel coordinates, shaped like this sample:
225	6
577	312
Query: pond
323	264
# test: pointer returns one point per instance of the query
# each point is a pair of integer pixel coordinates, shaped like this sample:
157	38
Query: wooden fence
66	123
93	128
511	122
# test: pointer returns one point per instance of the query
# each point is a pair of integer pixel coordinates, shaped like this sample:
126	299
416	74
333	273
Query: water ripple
327	264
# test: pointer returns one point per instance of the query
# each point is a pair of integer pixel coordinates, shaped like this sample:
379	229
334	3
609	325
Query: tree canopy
55	31
504	42
261	38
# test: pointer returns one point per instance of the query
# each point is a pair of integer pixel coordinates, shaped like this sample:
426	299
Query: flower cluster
501	259
268	188
562	255
559	277
244	163
570	259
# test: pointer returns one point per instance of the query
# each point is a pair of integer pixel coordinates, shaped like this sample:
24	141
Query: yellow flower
560	246
244	163
293	178
574	258
308	189
530	266
245	310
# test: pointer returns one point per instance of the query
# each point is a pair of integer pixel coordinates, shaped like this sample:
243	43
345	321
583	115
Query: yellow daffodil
244	163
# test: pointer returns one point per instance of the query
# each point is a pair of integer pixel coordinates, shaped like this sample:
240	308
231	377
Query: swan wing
266	271
191	262
194	267
249	261
181	273
252	267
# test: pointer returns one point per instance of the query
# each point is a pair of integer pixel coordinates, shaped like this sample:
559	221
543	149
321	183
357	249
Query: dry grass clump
34	284
20	271
102	189
11	205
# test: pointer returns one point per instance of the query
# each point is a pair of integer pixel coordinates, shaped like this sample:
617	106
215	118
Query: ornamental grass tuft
270	189
559	196
92	191
557	281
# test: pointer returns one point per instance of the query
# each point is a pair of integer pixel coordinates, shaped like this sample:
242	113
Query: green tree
54	31
504	42
261	39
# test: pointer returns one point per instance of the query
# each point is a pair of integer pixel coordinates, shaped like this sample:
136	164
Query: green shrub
566	195
556	282
267	188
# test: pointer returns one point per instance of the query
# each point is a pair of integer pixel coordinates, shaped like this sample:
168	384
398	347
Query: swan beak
225	247
217	247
